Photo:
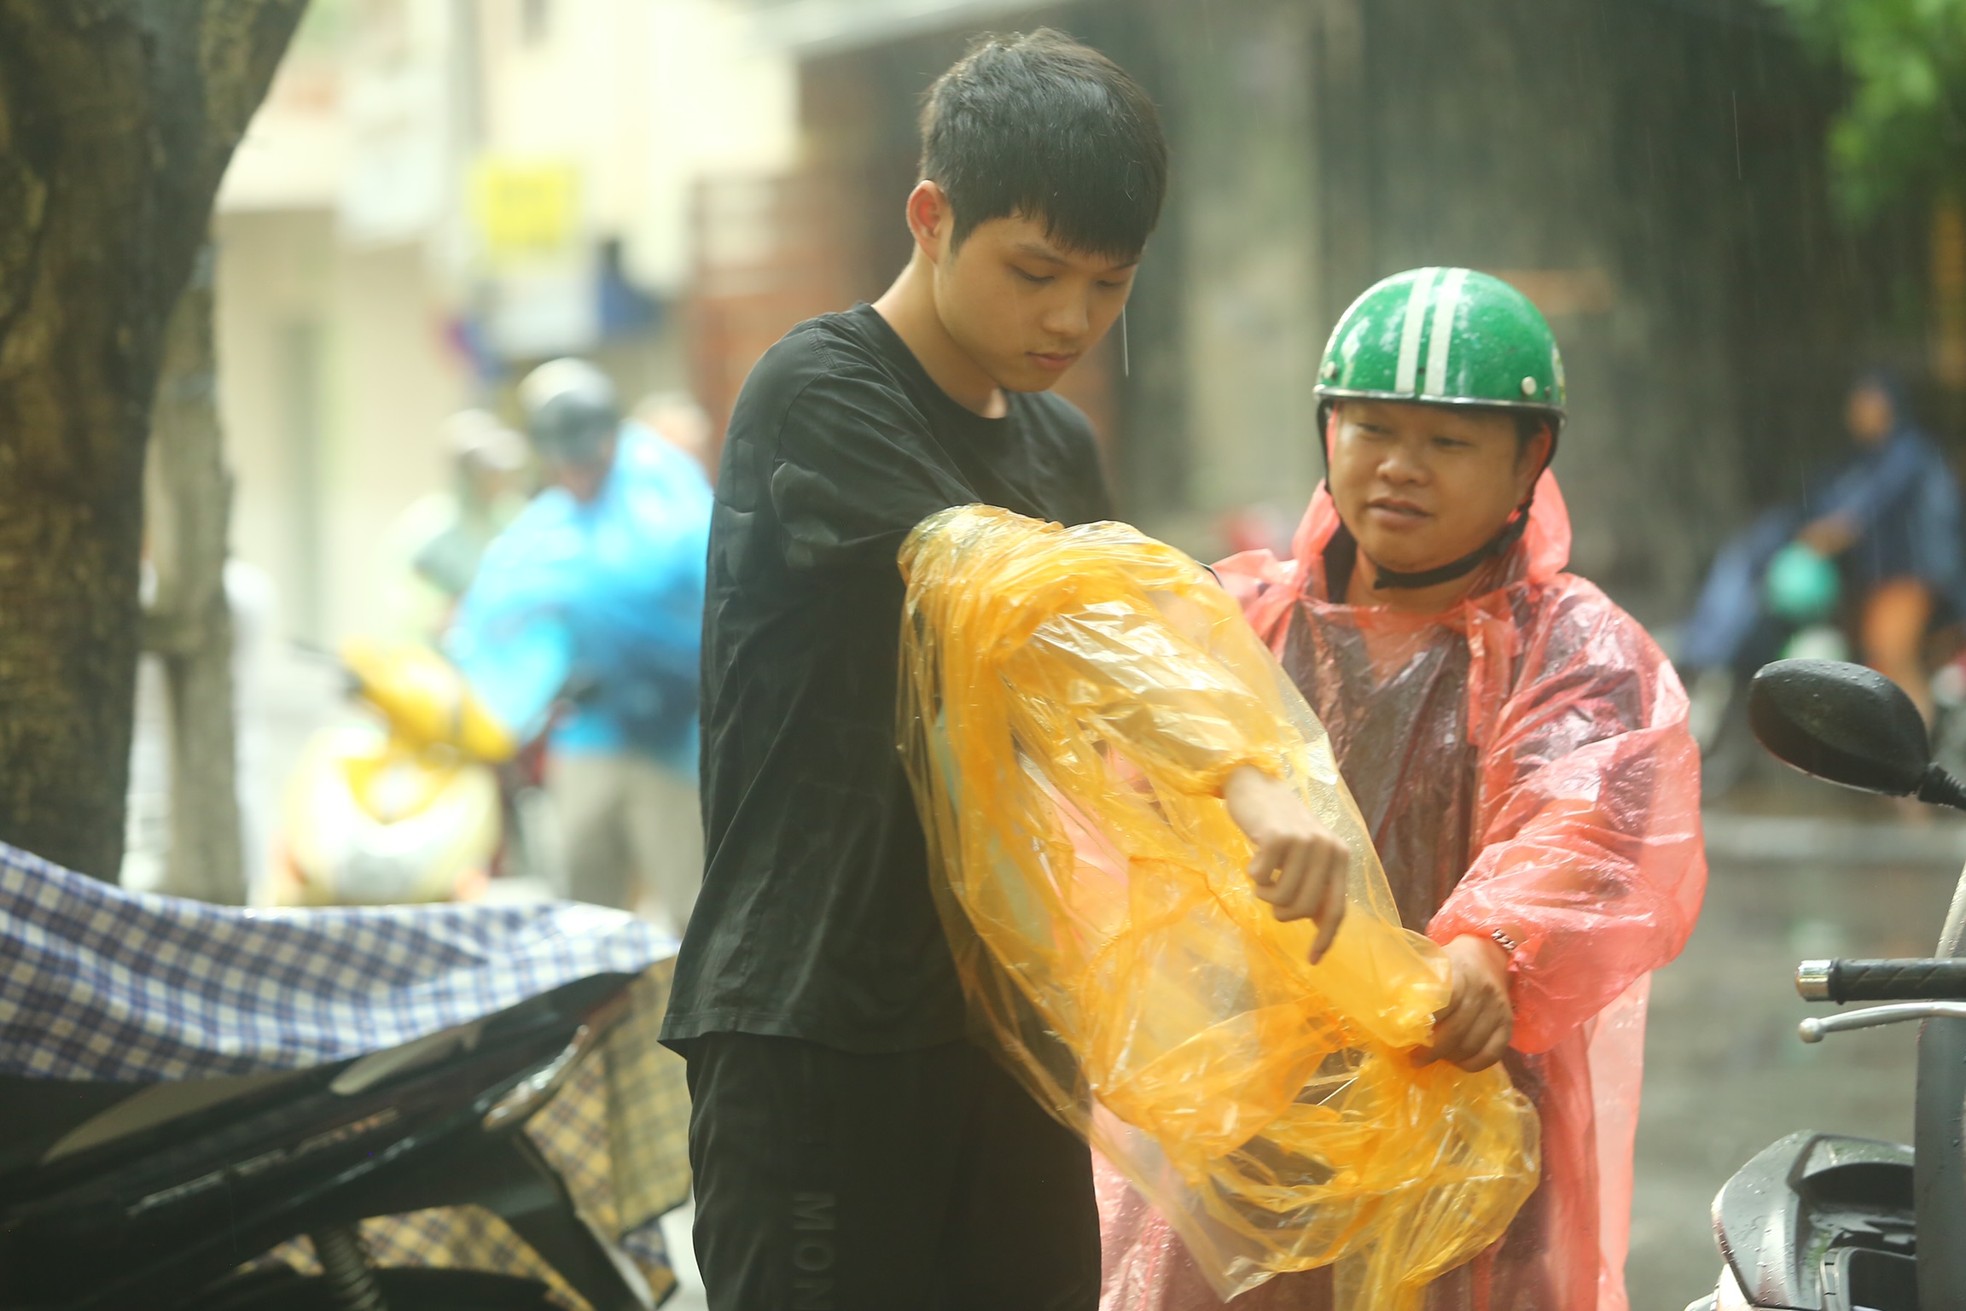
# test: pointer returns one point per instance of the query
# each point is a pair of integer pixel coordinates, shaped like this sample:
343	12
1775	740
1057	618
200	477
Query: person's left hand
1473	1029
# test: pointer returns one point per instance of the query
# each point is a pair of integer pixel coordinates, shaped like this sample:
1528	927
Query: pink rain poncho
1521	759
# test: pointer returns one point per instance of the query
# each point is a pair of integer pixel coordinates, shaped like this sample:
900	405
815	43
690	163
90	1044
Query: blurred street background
437	195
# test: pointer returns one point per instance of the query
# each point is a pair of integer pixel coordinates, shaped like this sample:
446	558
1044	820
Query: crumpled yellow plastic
1071	702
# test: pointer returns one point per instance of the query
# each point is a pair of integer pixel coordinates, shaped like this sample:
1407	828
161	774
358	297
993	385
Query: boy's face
1023	308
1420	486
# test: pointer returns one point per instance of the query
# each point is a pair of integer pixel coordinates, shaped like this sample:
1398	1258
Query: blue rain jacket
604	599
1904	501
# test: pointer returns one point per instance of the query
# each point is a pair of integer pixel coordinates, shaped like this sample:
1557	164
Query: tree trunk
190	622
117	118
1948	283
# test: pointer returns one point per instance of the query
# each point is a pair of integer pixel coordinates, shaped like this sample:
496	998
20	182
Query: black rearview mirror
1841	722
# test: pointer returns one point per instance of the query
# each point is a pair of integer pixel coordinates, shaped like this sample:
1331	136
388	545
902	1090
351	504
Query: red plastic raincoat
1521	759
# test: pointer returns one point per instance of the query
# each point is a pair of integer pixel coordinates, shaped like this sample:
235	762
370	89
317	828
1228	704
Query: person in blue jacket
591	604
1888	517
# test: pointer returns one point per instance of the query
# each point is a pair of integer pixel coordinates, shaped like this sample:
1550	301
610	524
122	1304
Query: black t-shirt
817	919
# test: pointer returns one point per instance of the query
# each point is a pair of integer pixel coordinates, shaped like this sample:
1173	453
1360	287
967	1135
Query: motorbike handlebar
1816	1028
1909	979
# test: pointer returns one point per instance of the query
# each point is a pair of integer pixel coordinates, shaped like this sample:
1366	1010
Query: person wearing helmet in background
1517	746
1887	517
435	545
598	586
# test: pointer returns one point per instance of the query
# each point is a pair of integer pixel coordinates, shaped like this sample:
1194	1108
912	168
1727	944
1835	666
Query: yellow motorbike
404	807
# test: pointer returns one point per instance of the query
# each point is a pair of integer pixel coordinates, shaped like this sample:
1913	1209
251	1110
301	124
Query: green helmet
1445	337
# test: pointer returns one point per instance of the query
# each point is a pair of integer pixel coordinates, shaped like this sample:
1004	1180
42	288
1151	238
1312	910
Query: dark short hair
1042	126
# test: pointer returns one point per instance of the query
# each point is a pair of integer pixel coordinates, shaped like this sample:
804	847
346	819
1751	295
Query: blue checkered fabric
101	984
98	983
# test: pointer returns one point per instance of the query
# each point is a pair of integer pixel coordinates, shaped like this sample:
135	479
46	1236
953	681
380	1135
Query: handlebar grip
1909	979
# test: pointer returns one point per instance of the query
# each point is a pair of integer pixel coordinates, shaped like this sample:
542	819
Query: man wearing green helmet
1467	359
1517	744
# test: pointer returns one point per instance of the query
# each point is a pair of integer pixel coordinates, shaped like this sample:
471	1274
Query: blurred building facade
437	194
441	191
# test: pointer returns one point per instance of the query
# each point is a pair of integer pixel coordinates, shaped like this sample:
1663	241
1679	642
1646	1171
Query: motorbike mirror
1840	722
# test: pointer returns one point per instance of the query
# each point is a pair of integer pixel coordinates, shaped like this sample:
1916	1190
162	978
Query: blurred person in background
1887	517
587	614
1517	746
676	418
434	547
1257	526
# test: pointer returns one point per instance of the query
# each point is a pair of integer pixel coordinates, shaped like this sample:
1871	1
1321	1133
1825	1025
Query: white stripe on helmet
1409	338
1441	341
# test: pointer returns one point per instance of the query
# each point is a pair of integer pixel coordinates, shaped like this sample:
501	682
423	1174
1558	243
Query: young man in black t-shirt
852	1150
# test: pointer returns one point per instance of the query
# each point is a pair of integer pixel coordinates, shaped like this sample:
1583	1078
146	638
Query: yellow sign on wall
525	209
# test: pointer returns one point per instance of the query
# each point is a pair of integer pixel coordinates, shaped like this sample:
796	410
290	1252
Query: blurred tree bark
188	622
117	119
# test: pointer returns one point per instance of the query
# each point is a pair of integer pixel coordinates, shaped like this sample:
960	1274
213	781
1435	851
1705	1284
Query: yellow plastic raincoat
1073	700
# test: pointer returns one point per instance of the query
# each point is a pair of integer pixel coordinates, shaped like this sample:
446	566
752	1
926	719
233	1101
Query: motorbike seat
49	1121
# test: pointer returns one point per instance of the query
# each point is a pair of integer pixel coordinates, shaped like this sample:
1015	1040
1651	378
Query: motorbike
161	1195
1830	1222
1800	595
1803	617
425	799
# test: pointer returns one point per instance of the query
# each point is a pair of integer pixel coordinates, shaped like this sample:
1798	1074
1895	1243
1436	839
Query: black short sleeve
853	473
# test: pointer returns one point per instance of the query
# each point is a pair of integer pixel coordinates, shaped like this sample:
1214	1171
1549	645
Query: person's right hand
1828	536
1300	866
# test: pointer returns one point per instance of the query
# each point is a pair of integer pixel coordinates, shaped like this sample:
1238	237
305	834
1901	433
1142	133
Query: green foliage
1903	131
324	28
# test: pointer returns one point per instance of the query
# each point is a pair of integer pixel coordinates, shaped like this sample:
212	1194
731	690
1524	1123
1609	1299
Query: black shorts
918	1181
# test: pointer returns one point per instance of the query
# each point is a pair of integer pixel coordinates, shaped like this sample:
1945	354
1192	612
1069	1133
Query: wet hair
1041	126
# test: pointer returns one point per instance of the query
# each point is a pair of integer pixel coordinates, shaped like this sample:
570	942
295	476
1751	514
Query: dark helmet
571	411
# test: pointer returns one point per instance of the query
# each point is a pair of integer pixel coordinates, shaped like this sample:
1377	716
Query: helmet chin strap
1387	579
